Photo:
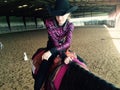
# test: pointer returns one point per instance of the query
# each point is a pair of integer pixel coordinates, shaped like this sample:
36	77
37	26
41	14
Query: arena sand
92	44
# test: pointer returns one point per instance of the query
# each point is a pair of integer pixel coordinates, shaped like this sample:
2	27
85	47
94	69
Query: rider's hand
67	60
46	55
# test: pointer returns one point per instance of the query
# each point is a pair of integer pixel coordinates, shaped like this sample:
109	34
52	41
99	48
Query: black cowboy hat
61	7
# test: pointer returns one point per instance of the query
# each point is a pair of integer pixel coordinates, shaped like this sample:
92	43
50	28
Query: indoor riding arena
95	39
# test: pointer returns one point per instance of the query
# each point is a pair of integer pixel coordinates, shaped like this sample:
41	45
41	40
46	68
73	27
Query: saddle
37	59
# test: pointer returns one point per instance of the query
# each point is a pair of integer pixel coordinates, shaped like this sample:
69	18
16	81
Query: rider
59	38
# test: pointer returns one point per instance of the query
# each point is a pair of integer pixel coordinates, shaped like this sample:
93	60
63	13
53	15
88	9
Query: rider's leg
42	72
40	77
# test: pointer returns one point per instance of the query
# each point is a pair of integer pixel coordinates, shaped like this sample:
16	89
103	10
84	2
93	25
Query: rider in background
60	32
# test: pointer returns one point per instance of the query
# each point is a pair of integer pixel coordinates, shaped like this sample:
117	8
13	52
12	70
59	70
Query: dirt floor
93	44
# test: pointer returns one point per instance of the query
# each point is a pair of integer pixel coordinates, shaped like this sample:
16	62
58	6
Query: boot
42	73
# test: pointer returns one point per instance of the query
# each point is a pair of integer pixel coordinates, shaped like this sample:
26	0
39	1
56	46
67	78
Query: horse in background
72	76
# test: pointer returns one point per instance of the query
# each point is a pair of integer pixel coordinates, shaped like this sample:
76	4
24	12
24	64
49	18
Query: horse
72	76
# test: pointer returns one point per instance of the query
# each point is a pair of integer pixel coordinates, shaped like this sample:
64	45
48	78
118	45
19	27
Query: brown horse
72	76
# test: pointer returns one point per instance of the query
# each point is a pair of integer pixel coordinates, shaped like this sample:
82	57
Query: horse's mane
77	78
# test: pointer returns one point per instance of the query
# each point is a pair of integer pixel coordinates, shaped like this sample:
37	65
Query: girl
59	38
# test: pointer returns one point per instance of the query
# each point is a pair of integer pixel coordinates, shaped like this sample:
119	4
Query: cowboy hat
61	7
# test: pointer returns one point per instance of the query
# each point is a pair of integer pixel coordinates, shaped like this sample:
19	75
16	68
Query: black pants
42	72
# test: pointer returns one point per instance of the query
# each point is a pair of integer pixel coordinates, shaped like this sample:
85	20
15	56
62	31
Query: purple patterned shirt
59	37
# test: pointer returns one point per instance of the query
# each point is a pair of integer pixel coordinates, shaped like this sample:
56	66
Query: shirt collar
64	25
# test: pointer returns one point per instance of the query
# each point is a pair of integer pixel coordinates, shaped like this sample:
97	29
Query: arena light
23	6
37	9
20	7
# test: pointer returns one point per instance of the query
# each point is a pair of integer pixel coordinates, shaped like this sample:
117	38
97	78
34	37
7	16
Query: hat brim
62	12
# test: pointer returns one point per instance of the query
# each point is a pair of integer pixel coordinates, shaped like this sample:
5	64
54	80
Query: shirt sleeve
68	38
